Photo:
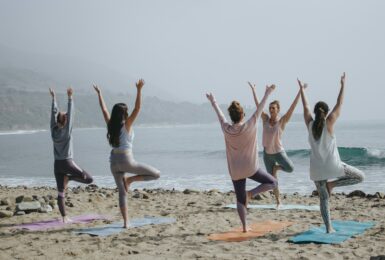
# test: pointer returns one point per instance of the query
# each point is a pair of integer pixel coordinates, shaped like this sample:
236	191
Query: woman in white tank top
326	168
274	155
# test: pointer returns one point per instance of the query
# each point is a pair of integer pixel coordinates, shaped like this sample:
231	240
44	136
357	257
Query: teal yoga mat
116	227
282	207
344	231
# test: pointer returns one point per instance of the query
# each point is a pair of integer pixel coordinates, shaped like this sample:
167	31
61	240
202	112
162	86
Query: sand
197	214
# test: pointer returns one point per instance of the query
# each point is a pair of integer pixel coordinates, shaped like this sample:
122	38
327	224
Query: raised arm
335	113
102	104
70	111
264	116
268	91
286	117
218	111
130	120
54	108
306	108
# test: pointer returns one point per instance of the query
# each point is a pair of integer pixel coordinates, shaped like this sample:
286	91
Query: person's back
241	148
325	162
62	136
125	139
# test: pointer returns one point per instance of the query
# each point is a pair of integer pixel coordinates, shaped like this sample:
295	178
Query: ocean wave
22	132
351	155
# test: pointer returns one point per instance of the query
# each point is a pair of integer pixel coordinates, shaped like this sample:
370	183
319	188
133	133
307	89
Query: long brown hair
236	111
321	109
118	116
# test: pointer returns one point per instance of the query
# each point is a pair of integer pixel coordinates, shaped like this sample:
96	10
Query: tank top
271	137
325	162
125	139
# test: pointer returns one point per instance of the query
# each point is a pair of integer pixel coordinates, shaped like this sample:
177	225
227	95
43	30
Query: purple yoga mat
58	223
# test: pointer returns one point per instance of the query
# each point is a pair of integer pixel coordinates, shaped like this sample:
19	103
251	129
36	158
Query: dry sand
198	214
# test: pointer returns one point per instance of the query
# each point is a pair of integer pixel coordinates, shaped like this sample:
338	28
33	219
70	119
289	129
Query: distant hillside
20	109
25	104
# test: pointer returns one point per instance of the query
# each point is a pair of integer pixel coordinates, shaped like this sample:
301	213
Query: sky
190	47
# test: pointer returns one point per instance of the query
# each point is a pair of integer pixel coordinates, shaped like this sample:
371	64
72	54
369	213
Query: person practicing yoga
120	136
64	167
241	152
326	168
274	155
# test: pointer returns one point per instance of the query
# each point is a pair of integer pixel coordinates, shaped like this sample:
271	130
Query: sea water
190	156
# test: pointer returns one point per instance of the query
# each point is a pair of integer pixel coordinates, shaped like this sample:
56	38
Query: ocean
189	156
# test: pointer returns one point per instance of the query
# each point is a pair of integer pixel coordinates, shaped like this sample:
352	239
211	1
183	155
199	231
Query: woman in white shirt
326	168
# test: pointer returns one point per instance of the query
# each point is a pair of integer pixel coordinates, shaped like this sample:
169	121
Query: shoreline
198	214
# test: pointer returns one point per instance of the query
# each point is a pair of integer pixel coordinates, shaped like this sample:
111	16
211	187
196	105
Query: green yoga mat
282	207
344	231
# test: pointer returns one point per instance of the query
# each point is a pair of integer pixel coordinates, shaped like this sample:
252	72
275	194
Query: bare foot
331	230
126	225
127	183
246	229
249	196
278	205
67	220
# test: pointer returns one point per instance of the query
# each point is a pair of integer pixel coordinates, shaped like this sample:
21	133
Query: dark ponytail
118	116
236	111
321	109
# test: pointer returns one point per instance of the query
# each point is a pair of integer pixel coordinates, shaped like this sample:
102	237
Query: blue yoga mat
116	227
282	207
344	230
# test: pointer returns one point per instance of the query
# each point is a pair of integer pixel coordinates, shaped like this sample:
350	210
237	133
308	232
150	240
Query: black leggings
267	181
74	173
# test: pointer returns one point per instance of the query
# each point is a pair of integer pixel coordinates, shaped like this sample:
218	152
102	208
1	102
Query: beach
198	214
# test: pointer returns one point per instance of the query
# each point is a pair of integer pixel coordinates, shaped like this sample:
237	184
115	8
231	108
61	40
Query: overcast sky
190	47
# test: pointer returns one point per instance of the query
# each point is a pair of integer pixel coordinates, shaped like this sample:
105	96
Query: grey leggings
280	159
352	176
123	163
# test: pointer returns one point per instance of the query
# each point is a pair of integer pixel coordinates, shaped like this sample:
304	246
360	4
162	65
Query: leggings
74	173
123	163
267	181
352	176
280	159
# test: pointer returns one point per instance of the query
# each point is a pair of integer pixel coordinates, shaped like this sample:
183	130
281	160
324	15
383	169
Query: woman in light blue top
326	168
120	136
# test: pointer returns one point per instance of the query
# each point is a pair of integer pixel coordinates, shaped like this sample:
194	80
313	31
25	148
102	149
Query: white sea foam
21	132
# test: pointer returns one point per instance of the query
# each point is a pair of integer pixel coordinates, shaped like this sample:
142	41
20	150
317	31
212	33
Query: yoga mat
116	227
257	230
282	207
344	231
58	223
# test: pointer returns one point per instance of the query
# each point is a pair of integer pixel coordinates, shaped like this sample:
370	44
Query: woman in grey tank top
120	136
326	168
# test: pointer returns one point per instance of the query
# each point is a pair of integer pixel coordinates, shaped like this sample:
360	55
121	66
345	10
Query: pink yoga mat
58	223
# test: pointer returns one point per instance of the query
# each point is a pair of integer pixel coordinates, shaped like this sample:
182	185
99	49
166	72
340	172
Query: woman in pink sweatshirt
242	153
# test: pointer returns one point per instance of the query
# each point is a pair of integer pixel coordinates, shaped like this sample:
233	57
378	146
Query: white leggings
352	176
122	163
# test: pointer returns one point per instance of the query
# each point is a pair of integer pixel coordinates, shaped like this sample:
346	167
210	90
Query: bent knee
156	175
289	169
274	183
89	180
360	177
